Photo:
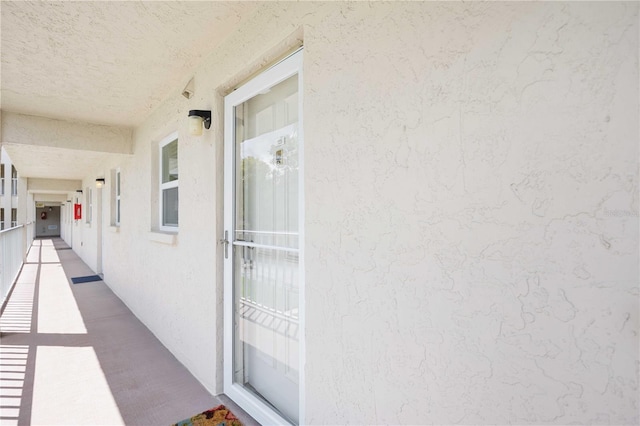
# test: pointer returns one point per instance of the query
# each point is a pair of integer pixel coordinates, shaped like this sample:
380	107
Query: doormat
218	416
87	279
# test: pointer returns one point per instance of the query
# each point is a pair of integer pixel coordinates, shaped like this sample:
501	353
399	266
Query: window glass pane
118	183
170	207
117	211
170	162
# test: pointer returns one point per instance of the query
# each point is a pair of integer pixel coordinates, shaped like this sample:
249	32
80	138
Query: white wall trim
163	238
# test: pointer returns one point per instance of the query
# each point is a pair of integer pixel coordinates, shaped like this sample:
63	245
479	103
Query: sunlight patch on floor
57	309
48	252
16	317
33	256
67	384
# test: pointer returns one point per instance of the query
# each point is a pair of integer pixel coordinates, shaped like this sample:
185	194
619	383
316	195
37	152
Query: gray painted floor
74	354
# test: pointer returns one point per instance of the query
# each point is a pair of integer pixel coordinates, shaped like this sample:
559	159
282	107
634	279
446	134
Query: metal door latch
225	241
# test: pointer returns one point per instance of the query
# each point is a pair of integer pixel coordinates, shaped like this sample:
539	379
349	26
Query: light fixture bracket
204	114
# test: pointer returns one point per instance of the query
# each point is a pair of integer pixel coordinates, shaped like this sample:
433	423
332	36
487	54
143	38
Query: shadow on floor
75	354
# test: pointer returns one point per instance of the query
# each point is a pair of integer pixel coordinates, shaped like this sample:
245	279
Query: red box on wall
77	211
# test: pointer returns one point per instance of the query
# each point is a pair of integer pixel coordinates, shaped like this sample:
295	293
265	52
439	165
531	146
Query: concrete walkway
75	355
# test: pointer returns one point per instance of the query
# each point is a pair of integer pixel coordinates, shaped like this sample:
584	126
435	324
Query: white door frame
99	229
288	67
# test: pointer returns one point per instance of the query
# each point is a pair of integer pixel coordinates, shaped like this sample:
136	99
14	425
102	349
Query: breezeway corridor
74	354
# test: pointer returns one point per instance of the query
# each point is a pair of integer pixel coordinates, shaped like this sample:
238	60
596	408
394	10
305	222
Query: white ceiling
105	62
54	163
102	62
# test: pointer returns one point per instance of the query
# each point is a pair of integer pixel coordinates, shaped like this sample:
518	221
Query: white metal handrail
14	243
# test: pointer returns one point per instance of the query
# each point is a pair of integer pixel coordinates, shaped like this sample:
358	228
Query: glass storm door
262	236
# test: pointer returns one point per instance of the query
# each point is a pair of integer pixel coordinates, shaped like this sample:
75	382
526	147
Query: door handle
225	241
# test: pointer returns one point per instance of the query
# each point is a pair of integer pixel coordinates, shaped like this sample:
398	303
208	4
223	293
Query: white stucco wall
52	185
471	180
8	200
472	216
47	132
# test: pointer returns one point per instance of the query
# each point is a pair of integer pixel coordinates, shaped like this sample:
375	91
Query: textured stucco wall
6	200
472	214
174	284
471	180
9	201
85	237
32	130
48	185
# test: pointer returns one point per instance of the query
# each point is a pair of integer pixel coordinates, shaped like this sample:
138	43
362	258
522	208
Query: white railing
14	243
30	235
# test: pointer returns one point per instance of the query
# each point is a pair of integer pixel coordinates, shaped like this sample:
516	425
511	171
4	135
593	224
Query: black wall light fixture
198	118
99	182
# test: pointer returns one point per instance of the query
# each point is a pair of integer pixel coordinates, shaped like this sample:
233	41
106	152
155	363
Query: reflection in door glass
266	317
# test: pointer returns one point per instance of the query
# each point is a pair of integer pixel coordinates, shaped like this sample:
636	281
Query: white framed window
2	180
1	219
88	201
169	183
118	193
14	218
14	181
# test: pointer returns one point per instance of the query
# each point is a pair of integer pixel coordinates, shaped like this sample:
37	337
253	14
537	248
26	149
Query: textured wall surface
59	149
8	201
63	47
47	185
471	179
47	132
472	216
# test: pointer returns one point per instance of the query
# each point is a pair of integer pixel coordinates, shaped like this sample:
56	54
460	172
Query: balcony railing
14	243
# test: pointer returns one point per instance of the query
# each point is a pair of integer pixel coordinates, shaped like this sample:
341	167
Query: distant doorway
48	221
